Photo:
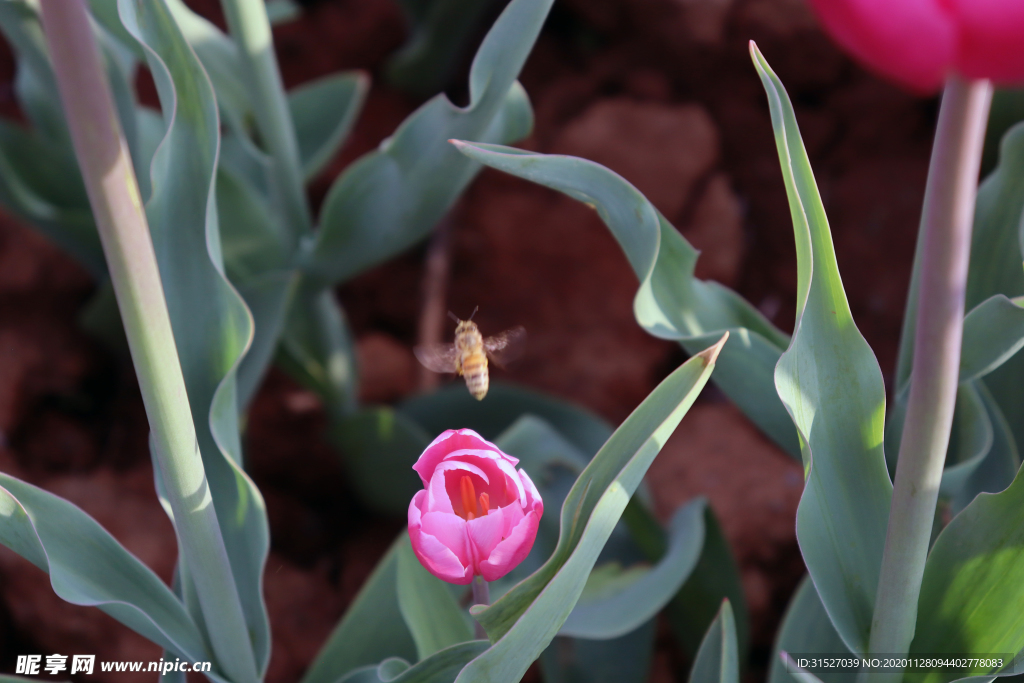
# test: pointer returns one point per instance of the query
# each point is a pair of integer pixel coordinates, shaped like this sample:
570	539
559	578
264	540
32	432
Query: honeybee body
471	361
468	355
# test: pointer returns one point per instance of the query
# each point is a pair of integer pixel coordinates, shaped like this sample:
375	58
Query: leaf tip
710	354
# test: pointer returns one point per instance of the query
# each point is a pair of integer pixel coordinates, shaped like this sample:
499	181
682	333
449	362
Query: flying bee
468	355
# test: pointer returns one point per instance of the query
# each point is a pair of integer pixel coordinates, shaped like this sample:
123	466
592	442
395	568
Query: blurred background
661	91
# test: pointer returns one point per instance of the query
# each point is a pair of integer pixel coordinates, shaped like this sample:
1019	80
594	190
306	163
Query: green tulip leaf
715	578
993	333
323	112
371	630
379	447
212	327
832	387
431	613
440	34
523	621
972	599
718	658
441	667
807	629
617	603
317	349
87	566
282	11
671	302
391	198
626	659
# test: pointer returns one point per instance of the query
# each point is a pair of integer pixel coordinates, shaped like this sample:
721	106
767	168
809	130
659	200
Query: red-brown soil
663	92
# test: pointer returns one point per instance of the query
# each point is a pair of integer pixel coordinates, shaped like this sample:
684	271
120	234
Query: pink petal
450	530
511	514
991	39
449	441
439	560
911	41
534	501
509	553
437	557
484	534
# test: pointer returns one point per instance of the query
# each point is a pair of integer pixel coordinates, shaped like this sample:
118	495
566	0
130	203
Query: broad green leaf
323	112
379	447
806	629
371	630
1006	111
716	577
257	258
996	262
282	11
997	470
523	621
626	659
718	657
440	35
993	333
832	387
797	672
430	612
452	407
317	349
212	326
972	598
671	302
630	598
442	667
87	566
391	198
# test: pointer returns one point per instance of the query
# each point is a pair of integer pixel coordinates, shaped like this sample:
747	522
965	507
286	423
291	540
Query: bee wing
506	347
437	357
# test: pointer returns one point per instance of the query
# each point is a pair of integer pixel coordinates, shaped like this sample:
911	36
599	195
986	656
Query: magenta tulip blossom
920	42
478	514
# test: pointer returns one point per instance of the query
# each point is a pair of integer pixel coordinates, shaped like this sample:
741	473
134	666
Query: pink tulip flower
478	514
919	42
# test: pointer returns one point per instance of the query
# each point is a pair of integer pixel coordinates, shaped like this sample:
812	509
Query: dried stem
435	294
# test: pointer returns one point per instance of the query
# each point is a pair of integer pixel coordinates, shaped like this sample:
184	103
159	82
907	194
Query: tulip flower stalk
113	190
940	284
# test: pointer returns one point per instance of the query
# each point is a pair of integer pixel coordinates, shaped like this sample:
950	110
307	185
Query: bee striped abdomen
474	370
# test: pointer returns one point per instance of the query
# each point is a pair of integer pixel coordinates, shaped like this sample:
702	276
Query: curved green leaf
430	612
379	447
993	333
441	31
718	657
972	599
806	629
996	263
391	198
832	387
212	327
87	566
614	605
317	349
323	112
441	667
671	302
371	630
715	578
523	621
626	659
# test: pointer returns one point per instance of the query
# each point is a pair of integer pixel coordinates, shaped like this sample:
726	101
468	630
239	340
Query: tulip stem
481	596
943	252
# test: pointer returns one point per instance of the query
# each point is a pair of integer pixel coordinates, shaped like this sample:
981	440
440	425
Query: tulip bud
920	42
477	515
